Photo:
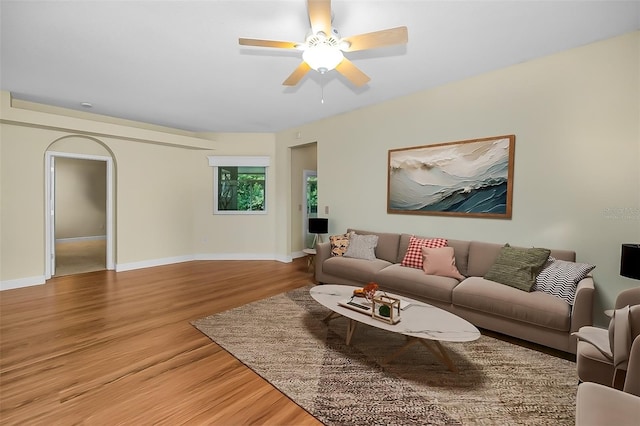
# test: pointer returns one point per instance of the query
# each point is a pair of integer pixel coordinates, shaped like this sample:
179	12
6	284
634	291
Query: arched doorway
79	150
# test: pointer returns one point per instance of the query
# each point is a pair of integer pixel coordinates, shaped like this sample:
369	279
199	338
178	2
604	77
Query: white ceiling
178	63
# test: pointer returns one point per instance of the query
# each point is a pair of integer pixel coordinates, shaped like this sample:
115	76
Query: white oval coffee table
420	322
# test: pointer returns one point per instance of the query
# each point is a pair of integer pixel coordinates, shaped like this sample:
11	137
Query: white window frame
217	161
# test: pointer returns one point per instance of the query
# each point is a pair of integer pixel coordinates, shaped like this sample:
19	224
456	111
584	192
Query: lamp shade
318	225
630	261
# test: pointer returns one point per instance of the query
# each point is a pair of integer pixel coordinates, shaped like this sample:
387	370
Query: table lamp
630	261
318	226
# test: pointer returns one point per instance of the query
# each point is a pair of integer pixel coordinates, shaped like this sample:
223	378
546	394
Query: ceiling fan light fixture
344	45
322	57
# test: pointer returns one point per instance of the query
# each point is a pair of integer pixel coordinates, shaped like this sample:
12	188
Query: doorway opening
79	224
310	202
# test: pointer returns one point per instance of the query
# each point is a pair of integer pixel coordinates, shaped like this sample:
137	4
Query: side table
311	257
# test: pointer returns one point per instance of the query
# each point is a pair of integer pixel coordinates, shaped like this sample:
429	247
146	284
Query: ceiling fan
323	47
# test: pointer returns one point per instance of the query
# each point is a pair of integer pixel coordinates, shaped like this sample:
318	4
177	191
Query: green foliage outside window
312	194
241	188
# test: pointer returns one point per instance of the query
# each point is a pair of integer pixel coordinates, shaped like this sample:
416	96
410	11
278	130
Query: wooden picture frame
470	178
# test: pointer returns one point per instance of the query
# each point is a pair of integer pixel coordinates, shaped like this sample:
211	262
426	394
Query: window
239	184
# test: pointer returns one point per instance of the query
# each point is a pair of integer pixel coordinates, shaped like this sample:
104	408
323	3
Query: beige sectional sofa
533	316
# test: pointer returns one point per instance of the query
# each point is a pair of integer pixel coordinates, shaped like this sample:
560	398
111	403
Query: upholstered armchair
598	405
602	354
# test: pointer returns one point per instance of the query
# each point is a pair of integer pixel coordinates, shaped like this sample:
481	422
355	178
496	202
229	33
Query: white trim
121	267
306	174
202	256
239	160
22	282
243	256
298	254
39	280
49	221
78	156
76	239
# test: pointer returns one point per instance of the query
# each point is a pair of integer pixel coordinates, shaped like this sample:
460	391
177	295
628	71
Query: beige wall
235	236
575	115
576	119
163	194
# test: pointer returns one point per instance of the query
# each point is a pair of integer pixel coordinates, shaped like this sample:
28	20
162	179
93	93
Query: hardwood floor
117	348
75	257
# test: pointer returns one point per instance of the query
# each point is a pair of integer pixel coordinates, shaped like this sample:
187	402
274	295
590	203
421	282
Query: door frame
306	174
50	240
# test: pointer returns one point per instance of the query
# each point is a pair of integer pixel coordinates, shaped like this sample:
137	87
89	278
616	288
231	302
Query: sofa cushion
362	246
536	307
414	283
352	268
518	267
339	244
387	248
413	256
440	261
560	278
461	253
481	256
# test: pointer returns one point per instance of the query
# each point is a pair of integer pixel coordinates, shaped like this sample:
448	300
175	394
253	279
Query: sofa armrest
582	312
598	405
323	252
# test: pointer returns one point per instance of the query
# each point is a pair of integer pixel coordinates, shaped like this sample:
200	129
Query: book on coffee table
362	305
359	305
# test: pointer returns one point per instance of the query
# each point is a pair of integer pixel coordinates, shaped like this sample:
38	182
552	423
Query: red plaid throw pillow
413	257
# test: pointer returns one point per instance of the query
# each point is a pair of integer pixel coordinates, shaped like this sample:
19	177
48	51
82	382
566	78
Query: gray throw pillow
518	267
362	247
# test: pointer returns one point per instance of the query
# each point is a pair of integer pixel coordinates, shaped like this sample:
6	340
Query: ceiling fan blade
297	74
353	73
390	37
268	43
320	15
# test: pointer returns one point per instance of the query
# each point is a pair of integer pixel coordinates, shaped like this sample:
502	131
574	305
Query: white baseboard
243	256
121	267
297	254
76	239
202	256
21	282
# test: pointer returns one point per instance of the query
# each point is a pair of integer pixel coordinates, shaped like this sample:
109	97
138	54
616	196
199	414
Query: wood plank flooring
117	348
75	257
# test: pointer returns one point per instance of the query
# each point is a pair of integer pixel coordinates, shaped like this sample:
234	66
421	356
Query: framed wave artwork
472	178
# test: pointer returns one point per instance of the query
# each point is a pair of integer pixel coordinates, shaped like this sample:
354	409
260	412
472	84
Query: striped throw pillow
560	278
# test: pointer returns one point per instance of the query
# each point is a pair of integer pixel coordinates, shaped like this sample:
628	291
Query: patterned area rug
284	340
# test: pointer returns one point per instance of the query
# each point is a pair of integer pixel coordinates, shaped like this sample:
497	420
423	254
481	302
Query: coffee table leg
351	328
332	315
403	349
441	354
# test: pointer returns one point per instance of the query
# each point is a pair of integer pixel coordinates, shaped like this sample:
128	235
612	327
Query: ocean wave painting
468	178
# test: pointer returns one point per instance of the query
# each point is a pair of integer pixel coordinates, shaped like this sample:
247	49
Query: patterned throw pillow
339	244
560	278
362	247
413	256
518	267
